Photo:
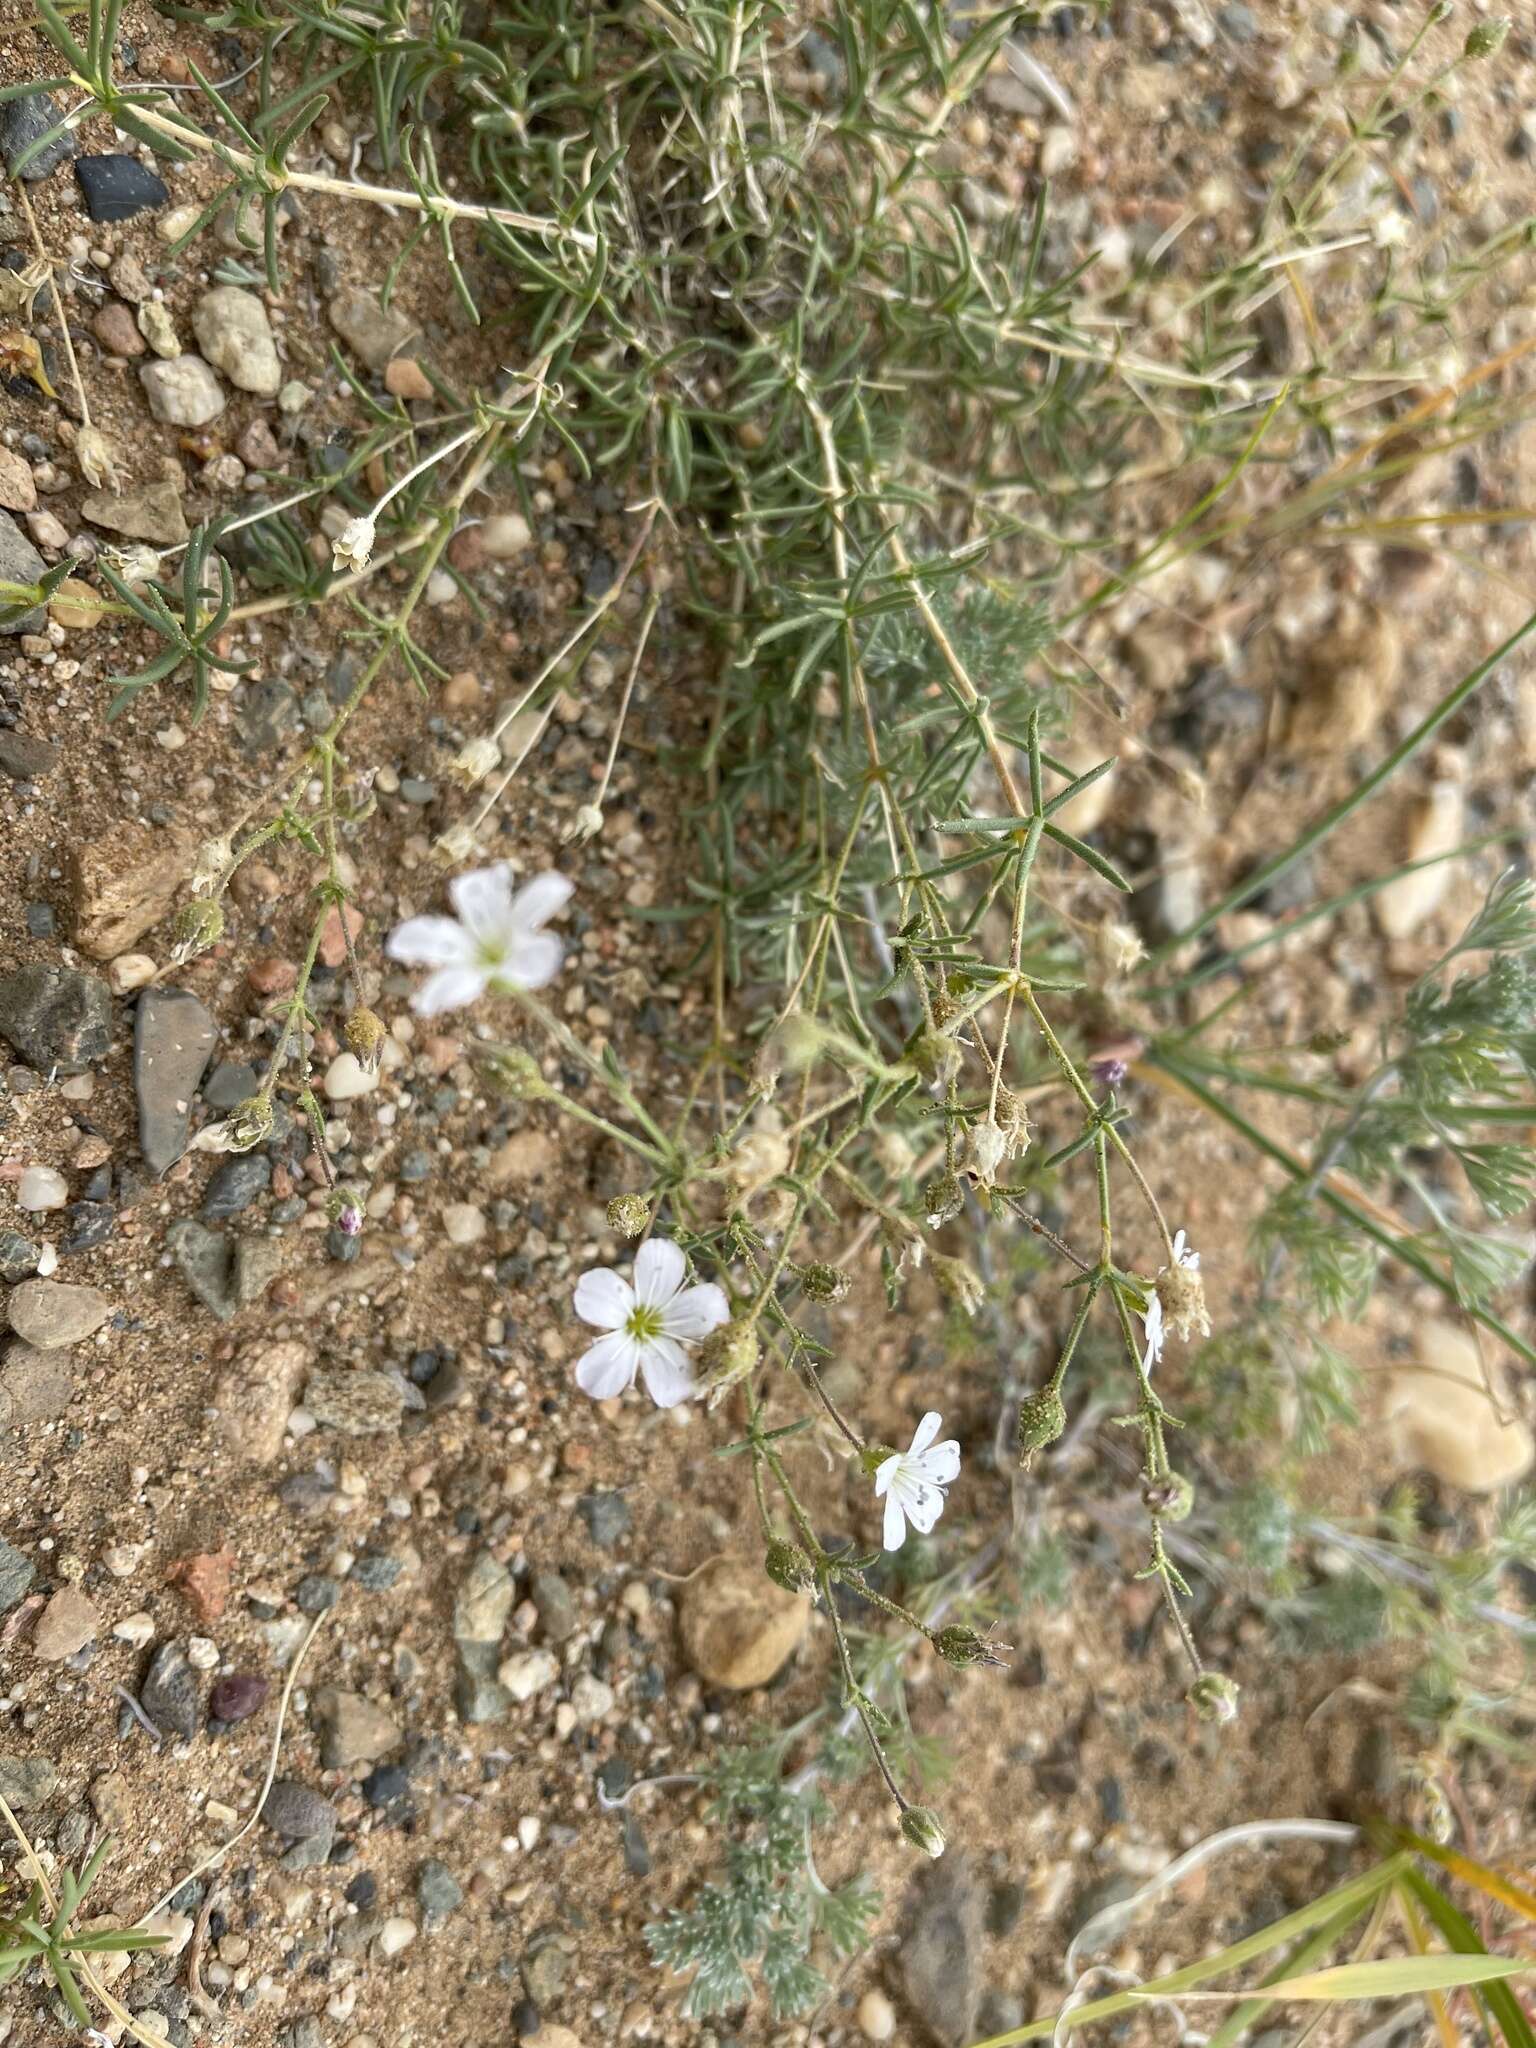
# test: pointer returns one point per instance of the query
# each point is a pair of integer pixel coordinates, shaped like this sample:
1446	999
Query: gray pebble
170	1693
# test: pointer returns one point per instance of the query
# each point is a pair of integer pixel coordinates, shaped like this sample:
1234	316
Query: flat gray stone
35	1386
56	1017
27	1781
20	563
173	1041
51	1313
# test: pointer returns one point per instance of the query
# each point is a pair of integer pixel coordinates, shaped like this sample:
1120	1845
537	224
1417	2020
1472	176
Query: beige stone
1452	1417
255	1398
1435	826
66	1624
124	883
738	1628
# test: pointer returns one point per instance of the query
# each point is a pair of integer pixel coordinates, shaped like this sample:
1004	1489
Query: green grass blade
1500	2004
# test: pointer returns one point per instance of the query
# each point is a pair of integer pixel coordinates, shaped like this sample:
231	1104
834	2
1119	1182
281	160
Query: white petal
941	1464
1178	1247
430	942
695	1312
604	1298
885	1472
660	1270
895	1523
539	900
925	1432
609	1367
664	1368
483	899
923	1512
451	988
532	959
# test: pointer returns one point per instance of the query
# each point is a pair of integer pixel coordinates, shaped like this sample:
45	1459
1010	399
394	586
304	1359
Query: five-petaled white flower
496	942
650	1325
913	1481
353	545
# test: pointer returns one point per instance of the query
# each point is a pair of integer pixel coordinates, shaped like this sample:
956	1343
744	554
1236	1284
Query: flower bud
1486	39
1042	1418
365	1035
962	1646
474	761
199	925
1182	1294
1213	1697
934	1056
250	1122
587	824
1171	1497
515	1074
942	1198
986	1147
824	1283
345	1209
959	1283
135	566
727	1355
628	1214
924	1830
101	459
788	1566
758	1159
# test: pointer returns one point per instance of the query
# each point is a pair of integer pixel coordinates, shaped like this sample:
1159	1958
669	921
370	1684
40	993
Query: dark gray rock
479	1616
171	1694
231	1083
173	1041
90	1224
26	121
56	1017
207	1261
438	1891
316	1594
296	1811
20	563
607	1518
940	1958
117	187
18	1257
556	1604
24	758
27	1781
17	1572
243	1178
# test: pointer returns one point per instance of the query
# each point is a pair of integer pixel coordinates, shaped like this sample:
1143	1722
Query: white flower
913	1481
650	1324
1183	1255
353	545
1153	1318
496	942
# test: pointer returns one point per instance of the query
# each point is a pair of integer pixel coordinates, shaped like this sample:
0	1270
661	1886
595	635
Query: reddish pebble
115	328
237	1697
405	378
333	947
441	1052
271	976
466	551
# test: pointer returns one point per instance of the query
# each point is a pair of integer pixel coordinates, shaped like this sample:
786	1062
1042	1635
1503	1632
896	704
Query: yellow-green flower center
644	1323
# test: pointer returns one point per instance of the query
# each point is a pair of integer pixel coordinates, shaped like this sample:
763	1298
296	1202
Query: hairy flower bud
942	1198
824	1283
199	925
934	1056
1042	1418
788	1566
986	1147
345	1209
587	824
250	1122
475	760
365	1035
961	1647
1213	1697
1171	1497
513	1073
758	1160
1182	1294
628	1214
924	1830
101	459
727	1355
959	1282
1487	38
